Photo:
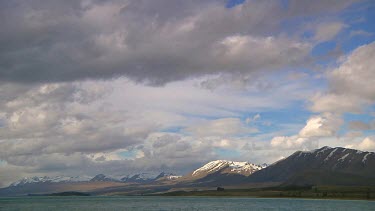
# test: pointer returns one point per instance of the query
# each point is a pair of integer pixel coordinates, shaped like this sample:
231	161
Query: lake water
178	203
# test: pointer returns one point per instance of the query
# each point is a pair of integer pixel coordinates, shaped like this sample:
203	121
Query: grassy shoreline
315	192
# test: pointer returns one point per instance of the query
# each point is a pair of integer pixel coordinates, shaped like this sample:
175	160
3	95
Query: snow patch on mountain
211	166
330	154
322	150
173	177
45	179
237	167
141	177
167	176
365	158
343	157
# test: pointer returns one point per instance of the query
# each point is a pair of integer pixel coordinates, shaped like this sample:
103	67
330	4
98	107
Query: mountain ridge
323	166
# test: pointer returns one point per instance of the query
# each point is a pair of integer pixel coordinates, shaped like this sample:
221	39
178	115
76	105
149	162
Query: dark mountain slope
324	166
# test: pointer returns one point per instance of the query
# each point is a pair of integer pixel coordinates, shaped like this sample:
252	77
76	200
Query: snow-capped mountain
220	172
167	177
46	179
104	178
140	178
226	167
134	178
146	177
324	166
149	177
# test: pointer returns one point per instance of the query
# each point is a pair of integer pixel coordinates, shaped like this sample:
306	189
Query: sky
122	87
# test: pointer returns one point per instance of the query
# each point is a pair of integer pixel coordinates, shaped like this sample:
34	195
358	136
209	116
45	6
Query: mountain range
324	166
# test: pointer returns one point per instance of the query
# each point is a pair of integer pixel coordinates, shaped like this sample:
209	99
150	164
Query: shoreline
185	196
337	193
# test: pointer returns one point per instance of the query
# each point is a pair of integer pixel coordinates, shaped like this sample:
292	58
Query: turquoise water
177	203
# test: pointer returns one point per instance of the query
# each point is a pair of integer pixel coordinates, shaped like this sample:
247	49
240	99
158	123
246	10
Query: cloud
221	127
321	126
359	125
108	123
181	152
9	173
354	33
252	119
351	84
63	118
151	42
308	8
317	127
96	125
340	103
367	144
293	143
327	31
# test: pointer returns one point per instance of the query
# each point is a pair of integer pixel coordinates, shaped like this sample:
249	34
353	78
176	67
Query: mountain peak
103	178
226	166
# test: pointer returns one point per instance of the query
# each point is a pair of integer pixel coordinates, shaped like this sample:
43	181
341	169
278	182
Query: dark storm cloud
150	41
